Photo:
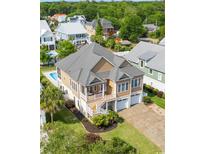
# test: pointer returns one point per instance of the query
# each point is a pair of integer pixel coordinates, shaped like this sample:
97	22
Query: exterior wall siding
102	66
154	73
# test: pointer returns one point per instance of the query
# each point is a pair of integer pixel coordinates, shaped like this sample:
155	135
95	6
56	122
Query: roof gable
80	64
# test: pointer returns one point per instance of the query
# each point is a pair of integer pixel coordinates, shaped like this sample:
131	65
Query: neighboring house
151	27
150	58
46	35
108	29
77	18
74	31
98	81
162	42
59	17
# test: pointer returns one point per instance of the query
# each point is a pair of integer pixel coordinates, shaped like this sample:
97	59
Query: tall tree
51	100
131	28
64	48
99	29
44	57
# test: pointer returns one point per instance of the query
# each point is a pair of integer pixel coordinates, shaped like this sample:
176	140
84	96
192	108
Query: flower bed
86	123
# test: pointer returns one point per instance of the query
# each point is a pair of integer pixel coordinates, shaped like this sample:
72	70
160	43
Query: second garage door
122	104
135	99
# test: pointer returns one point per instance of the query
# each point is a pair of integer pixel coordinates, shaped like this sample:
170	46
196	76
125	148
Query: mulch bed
86	123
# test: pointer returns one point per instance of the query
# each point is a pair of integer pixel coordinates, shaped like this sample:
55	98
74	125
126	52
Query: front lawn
67	117
124	131
132	136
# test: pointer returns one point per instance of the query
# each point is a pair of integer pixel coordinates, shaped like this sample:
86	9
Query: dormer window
142	63
150	71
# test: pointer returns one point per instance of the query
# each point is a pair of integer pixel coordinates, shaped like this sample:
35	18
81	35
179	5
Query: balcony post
103	90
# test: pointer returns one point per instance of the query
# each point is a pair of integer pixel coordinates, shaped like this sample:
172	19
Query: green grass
67	117
157	100
124	131
47	68
132	136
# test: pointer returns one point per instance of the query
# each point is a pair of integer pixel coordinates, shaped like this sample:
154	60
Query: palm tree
51	100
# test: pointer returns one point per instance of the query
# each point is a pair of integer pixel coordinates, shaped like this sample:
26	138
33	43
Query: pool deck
54	82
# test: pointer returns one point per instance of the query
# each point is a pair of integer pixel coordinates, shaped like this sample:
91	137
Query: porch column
115	105
107	106
130	95
103	90
86	93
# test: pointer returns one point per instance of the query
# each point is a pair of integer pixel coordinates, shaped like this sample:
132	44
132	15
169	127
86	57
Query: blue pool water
54	76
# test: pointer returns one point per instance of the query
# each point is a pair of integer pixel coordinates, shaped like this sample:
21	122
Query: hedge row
154	91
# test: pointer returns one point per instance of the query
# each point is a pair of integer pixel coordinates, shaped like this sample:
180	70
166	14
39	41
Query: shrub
160	94
44	82
155	91
105	120
101	120
147	100
92	138
113	117
113	146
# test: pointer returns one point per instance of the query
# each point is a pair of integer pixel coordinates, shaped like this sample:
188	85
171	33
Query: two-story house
98	81
46	35
107	27
150	58
74	31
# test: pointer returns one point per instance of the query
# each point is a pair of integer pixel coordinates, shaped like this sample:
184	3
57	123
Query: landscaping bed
86	123
154	96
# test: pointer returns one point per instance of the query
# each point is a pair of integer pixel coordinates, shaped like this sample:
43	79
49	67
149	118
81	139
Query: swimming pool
53	75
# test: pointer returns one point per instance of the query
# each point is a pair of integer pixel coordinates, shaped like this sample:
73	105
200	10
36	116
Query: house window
126	86
135	83
150	71
119	87
122	87
159	76
142	63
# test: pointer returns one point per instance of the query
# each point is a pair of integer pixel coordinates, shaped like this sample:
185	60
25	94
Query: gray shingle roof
71	28
147	55
79	65
104	23
144	50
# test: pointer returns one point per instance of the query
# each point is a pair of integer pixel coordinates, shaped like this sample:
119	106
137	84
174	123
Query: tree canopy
51	100
116	12
131	28
65	48
63	139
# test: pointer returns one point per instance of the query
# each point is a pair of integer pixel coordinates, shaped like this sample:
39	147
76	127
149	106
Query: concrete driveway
146	121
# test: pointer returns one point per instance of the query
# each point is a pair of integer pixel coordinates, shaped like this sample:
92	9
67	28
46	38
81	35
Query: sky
95	0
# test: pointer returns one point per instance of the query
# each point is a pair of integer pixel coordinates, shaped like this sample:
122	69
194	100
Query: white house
46	35
74	31
77	18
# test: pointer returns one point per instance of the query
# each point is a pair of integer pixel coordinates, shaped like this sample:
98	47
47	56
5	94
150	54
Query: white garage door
135	99
122	104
